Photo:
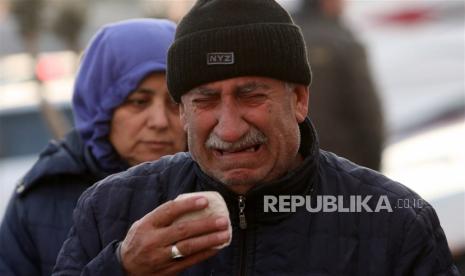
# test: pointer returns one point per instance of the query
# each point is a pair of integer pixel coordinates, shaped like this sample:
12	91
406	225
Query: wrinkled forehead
234	84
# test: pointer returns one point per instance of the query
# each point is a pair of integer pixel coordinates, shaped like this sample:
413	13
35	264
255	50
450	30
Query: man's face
243	131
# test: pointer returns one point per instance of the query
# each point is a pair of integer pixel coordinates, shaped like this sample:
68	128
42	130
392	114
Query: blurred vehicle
431	162
416	51
417	55
28	111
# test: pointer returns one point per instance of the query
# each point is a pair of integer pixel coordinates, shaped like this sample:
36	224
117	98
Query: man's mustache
252	138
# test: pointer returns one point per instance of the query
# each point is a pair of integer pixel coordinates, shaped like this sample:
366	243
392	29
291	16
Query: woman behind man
123	116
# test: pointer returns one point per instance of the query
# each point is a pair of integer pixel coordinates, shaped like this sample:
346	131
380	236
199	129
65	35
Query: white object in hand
216	207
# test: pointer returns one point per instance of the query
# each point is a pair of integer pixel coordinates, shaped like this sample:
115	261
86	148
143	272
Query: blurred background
415	52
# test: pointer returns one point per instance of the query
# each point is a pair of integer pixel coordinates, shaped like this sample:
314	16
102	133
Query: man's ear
301	105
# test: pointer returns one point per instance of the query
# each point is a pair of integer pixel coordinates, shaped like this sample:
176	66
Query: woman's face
146	125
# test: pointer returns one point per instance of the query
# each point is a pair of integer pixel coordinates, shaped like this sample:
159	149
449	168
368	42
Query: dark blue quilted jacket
39	214
407	241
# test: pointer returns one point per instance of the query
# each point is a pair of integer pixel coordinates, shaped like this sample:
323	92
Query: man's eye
203	102
255	98
248	89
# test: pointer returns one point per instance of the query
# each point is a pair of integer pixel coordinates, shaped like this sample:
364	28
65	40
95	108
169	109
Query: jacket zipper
243	227
242	220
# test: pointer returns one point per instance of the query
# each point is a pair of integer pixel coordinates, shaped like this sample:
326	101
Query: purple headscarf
117	59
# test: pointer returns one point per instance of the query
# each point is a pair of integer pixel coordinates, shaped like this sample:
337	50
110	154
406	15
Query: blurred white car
432	163
24	131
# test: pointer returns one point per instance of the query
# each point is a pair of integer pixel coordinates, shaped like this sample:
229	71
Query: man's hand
146	249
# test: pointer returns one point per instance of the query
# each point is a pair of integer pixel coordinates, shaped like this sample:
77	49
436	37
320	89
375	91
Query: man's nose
157	116
231	125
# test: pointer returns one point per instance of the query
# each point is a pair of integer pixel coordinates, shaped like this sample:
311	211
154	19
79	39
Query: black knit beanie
221	39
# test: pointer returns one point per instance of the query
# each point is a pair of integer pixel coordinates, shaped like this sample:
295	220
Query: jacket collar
299	181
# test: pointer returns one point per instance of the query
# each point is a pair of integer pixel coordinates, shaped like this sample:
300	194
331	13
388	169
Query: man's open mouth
253	148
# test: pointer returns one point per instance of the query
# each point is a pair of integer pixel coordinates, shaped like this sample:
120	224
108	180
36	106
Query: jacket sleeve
82	252
17	253
425	250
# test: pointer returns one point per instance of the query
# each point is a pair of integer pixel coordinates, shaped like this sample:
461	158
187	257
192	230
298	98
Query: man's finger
197	244
193	246
183	230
